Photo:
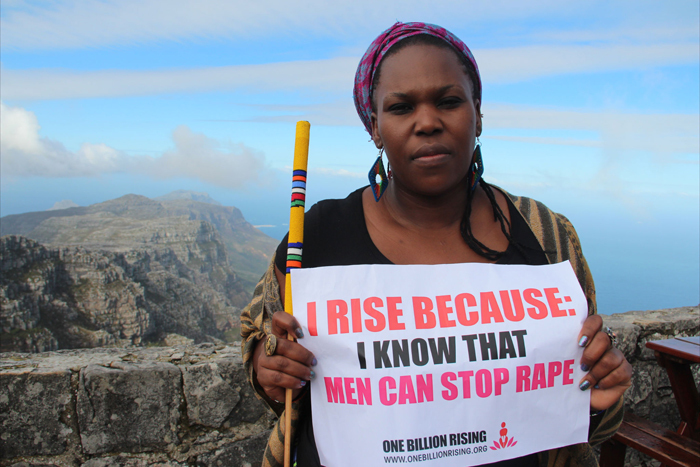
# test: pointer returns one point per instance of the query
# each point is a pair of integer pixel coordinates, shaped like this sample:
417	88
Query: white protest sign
451	365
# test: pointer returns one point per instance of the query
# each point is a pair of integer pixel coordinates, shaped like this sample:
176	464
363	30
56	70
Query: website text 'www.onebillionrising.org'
411	458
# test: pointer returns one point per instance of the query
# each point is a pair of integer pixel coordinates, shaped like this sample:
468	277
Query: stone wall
650	395
178	406
191	405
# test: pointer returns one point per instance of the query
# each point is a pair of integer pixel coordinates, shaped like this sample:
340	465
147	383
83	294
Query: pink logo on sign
504	441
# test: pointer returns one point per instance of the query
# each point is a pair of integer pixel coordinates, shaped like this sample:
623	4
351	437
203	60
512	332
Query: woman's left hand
609	372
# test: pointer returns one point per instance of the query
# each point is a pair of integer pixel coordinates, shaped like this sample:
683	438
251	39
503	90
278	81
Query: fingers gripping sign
609	373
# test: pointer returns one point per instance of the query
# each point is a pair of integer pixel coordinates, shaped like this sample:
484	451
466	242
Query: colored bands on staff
294	255
299	188
293	250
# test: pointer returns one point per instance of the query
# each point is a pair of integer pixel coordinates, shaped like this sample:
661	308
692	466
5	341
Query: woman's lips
430	150
432	154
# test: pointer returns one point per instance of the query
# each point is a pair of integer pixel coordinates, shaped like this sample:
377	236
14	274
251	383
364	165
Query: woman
418	93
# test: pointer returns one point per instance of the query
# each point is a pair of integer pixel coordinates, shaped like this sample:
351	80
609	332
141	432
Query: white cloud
635	154
517	64
19	129
335	75
320	75
340	112
648	34
99	23
198	156
24	153
658	133
662	134
337	172
548	140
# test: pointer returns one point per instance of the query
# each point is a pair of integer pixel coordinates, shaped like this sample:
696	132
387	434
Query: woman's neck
411	229
420	212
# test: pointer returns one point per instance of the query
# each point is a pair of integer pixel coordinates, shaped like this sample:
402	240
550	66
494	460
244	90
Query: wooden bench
651	439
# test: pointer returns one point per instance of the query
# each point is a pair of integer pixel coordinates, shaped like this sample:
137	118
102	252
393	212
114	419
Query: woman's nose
427	120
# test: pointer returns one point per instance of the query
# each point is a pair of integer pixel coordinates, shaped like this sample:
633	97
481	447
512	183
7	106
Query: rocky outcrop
188	194
192	406
177	282
177	406
63	204
128	271
651	395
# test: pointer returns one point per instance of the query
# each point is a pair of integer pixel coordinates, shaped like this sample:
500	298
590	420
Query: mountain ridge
127	271
249	248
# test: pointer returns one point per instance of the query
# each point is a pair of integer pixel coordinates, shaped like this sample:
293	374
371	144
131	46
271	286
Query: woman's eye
450	102
399	108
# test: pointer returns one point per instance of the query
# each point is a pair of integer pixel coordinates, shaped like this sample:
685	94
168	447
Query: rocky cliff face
129	271
74	297
28	270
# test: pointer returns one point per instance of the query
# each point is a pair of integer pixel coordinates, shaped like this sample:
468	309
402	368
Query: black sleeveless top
335	234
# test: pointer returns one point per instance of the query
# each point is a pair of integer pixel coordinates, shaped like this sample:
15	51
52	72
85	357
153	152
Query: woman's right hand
289	366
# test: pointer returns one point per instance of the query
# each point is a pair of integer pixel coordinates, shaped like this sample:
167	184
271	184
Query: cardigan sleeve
606	424
574	253
560	242
256	324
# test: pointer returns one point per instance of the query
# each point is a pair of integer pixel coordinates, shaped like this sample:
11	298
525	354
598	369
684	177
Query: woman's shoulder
531	209
558	239
329	215
335	233
554	231
535	213
338	207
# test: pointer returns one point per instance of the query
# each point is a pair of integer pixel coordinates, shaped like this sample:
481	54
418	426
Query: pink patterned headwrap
364	76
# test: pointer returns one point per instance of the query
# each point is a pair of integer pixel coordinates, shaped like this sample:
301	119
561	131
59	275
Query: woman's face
426	119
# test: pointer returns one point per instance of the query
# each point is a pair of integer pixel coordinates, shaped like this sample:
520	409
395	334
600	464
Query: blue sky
591	107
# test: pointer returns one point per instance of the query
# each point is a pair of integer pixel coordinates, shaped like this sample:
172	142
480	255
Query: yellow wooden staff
294	250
